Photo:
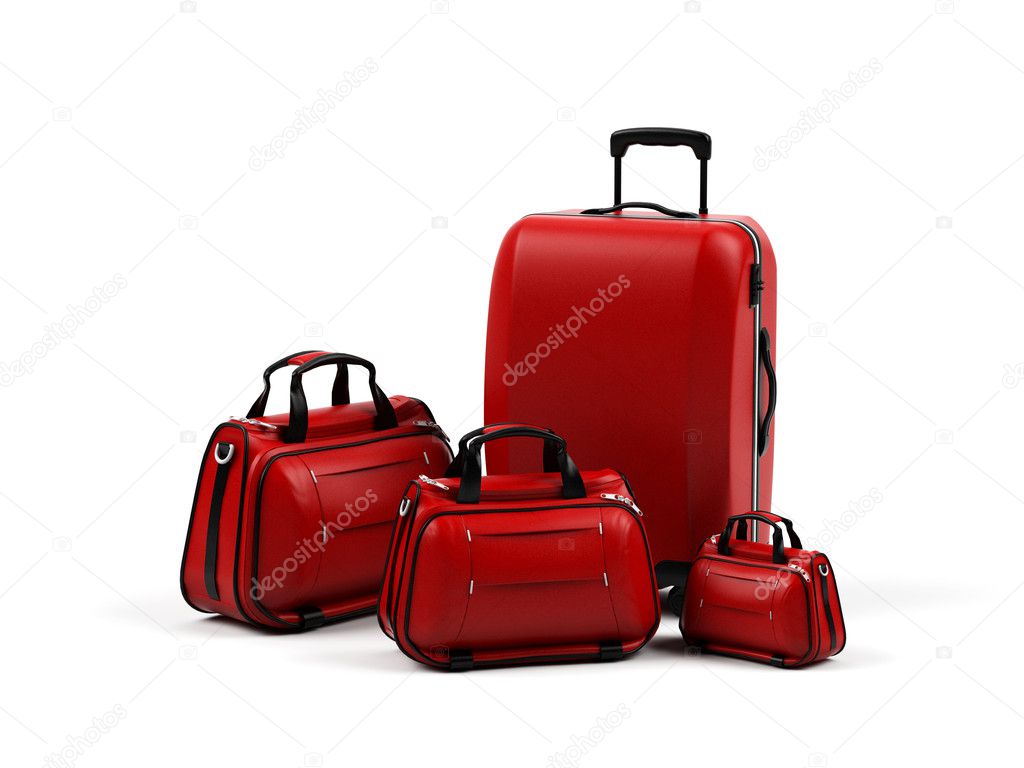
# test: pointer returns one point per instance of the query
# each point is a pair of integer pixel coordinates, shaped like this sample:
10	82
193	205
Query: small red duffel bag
292	513
764	602
514	569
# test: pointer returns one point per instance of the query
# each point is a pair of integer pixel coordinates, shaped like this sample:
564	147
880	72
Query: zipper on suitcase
432	425
623	500
431	481
823	575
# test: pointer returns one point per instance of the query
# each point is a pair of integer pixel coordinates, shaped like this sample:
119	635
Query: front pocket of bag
736	609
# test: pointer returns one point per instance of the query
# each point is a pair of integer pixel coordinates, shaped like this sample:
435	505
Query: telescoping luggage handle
469	487
738	522
622	140
298	413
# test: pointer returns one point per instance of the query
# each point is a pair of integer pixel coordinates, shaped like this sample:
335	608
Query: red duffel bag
511	569
292	513
764	602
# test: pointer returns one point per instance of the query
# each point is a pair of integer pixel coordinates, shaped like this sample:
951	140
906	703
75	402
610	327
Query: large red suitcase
291	517
765	602
518	569
642	335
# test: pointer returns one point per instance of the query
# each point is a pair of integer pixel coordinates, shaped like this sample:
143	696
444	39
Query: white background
125	150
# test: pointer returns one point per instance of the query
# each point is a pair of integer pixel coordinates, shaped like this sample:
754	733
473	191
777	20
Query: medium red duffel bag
486	571
291	517
764	602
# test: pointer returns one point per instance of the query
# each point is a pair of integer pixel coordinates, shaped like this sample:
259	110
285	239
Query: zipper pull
255	423
431	481
623	500
432	425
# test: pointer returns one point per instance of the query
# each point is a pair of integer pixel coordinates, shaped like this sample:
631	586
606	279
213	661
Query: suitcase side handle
472	471
298	414
763	434
699	142
339	393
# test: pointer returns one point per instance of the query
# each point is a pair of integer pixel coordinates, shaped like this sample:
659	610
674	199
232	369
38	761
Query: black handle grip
699	142
298	415
650	206
339	393
769	370
457	463
472	471
778	556
794	540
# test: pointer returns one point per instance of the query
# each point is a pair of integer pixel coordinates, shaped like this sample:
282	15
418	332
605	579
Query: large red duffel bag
514	569
291	517
668	315
765	602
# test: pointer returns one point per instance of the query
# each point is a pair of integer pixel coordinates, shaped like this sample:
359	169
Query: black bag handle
778	556
469	487
339	393
699	142
298	415
651	206
457	463
769	370
794	540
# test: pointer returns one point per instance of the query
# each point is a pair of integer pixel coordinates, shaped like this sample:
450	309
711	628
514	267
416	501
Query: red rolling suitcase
292	513
764	602
642	335
517	569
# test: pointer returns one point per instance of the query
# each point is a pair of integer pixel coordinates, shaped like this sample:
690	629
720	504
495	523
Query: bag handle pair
298	413
738	523
468	466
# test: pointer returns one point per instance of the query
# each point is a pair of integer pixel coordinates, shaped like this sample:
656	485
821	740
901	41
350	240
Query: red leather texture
523	576
304	527
632	336
743	604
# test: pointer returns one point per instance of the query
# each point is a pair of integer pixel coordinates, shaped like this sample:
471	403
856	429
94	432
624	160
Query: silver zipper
255	423
431	425
623	500
431	481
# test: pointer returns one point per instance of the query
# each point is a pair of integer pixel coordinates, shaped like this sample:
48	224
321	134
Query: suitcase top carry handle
339	393
650	206
778	556
699	142
298	414
455	468
469	487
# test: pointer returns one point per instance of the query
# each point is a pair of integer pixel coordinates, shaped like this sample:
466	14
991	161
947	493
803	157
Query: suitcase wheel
675	600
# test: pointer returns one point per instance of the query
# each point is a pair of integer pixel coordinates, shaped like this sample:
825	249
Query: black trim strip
220	484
